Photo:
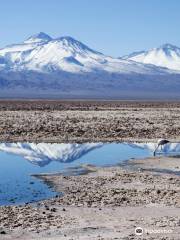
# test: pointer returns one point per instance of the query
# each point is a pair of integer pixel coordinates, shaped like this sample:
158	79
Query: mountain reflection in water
19	161
43	153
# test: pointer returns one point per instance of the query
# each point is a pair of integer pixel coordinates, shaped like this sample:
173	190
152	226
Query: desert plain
106	202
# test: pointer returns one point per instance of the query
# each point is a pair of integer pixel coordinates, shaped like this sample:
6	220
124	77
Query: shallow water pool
18	161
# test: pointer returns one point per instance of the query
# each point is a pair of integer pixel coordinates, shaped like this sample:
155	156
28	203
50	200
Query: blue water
17	186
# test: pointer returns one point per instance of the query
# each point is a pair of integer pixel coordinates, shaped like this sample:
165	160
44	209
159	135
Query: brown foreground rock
62	121
107	203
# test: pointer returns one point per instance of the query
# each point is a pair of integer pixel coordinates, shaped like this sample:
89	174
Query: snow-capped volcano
166	55
65	67
43	54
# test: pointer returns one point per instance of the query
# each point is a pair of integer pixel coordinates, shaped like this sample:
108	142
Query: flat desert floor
107	203
67	121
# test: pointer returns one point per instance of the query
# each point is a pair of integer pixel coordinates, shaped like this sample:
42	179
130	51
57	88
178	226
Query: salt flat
106	203
93	121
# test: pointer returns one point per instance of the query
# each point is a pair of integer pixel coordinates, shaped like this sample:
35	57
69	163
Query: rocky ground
159	164
107	203
62	121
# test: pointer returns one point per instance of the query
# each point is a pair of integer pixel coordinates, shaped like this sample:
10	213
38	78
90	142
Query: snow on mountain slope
29	44
43	153
64	67
15	55
43	54
39	37
166	55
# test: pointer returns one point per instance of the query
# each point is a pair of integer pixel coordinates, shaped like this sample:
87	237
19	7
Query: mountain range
167	56
42	66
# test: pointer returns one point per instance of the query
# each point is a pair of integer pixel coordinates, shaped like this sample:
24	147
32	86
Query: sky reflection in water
20	160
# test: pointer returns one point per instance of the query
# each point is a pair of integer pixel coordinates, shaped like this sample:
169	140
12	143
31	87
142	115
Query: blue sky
115	27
